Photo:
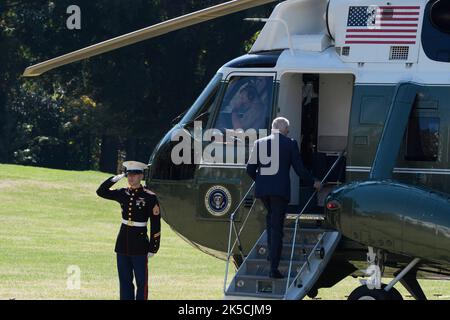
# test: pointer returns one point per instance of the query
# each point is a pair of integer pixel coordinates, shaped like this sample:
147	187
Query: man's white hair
280	123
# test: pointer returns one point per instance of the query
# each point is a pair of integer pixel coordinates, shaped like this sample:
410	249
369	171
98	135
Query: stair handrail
237	233
297	219
303	266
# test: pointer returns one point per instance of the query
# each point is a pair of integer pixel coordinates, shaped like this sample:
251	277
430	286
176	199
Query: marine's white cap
134	166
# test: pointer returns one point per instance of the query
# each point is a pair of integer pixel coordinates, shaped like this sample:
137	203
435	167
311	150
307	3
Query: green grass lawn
52	219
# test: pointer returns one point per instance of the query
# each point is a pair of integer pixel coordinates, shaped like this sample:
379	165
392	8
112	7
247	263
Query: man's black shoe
276	274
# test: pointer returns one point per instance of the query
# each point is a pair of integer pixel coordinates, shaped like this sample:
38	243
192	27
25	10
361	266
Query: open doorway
318	107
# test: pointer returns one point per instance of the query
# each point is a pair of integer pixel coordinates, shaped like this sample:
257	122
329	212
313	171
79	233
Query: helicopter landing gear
408	279
364	293
373	289
375	260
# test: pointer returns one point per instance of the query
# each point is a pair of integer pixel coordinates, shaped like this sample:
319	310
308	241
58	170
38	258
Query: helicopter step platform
317	213
311	253
306	216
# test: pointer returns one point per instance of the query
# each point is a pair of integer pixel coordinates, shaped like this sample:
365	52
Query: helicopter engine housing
397	217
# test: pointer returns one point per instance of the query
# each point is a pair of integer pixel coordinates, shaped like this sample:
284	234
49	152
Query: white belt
134	224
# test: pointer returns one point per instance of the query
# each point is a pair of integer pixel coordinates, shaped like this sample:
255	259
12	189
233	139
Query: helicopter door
318	107
335	100
244	108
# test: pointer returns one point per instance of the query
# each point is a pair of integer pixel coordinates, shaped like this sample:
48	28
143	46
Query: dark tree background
92	114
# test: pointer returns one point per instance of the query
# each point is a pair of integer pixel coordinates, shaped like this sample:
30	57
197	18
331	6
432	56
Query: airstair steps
307	236
261	267
257	296
313	249
256	284
299	252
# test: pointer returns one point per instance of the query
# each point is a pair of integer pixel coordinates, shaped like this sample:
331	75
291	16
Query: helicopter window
422	139
246	103
204	101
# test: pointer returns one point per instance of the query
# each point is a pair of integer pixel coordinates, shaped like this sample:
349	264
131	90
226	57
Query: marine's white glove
118	177
149	255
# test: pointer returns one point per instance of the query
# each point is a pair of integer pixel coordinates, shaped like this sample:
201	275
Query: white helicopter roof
367	29
378	41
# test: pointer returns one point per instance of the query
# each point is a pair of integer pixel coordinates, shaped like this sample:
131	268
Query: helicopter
366	87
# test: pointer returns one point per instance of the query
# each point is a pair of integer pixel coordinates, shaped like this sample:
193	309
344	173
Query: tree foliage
90	114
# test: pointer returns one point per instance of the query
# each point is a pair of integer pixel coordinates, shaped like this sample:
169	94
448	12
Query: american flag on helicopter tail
382	25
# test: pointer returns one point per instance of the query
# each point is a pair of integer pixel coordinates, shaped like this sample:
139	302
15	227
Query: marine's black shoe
276	274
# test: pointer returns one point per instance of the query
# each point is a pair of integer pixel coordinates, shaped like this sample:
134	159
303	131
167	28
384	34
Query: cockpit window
246	104
204	101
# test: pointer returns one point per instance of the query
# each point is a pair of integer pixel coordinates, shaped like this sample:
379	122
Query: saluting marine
133	246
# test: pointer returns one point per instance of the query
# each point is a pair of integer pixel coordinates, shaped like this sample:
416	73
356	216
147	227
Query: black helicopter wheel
364	293
395	294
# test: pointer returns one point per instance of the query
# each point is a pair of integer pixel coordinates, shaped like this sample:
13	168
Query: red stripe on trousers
146	281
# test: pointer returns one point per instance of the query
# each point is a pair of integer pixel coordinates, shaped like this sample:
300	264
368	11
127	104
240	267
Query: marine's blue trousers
127	266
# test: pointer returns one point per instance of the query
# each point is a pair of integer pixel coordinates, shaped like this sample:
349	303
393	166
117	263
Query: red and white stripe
397	25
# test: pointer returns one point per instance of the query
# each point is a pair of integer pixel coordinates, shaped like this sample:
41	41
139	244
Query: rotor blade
146	33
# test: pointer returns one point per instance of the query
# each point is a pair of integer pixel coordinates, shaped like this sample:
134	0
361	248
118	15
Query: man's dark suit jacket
278	184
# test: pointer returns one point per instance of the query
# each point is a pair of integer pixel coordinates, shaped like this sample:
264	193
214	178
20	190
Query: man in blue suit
269	166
